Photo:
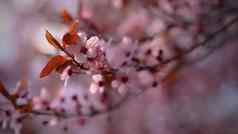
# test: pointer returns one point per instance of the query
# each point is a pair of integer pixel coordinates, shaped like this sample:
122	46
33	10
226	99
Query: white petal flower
92	52
145	77
44	94
83	37
92	42
97	77
122	89
53	122
37	105
115	83
93	88
81	58
101	89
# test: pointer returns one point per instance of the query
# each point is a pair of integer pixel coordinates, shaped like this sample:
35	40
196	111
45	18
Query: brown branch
7	95
203	43
125	99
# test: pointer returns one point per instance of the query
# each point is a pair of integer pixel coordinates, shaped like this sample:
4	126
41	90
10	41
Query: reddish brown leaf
51	39
61	68
2	87
73	28
52	64
70	39
67	18
4	91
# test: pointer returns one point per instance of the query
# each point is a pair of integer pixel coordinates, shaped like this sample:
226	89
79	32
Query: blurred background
23	46
203	99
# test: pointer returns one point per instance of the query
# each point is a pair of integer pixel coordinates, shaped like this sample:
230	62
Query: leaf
52	64
4	91
61	68
51	39
67	18
2	87
73	28
70	39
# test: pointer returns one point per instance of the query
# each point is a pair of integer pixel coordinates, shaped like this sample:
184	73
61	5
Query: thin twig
194	47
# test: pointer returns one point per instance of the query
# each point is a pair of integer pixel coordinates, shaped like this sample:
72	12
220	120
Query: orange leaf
70	39
73	28
52	64
67	18
51	39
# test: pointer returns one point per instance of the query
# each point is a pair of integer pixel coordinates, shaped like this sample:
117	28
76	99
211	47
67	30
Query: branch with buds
61	62
88	56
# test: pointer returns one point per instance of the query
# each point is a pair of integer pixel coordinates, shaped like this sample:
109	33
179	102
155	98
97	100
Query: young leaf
51	39
73	28
4	91
61	68
70	39
2	87
52	64
67	18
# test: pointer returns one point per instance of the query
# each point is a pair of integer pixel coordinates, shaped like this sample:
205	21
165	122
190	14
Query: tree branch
128	96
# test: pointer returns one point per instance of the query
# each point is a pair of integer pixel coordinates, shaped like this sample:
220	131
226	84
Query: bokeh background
202	100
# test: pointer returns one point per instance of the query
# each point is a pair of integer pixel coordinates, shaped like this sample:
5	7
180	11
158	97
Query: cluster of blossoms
112	69
11	116
145	51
